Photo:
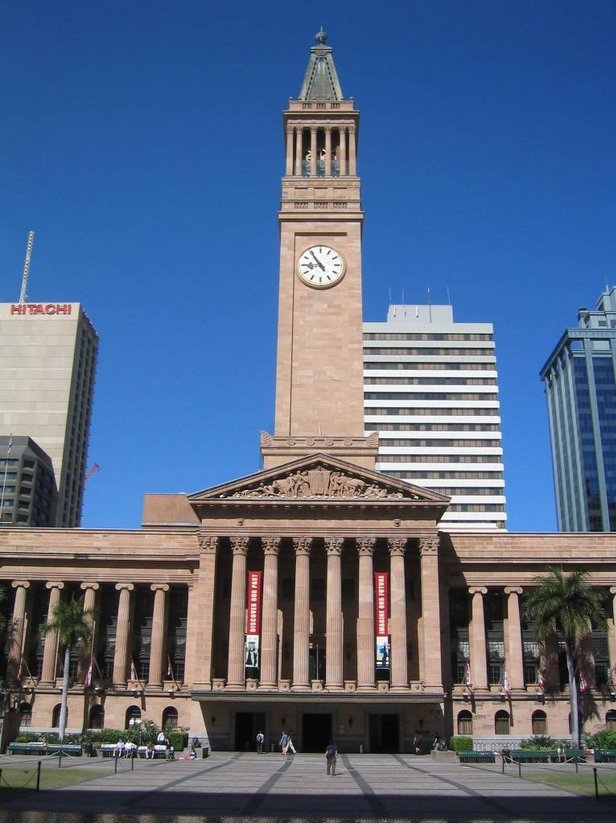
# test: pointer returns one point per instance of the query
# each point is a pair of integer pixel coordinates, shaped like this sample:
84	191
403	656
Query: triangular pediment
318	477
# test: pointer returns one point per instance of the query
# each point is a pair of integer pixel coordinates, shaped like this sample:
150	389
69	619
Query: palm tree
73	626
565	603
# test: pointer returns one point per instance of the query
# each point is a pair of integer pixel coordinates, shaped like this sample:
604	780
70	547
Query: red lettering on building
41	309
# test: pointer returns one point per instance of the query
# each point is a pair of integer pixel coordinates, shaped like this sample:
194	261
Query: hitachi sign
41	309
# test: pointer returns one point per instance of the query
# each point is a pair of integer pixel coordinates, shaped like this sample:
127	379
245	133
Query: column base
366	688
235	688
300	688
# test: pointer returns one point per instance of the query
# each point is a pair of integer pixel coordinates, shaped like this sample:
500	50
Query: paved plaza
229	787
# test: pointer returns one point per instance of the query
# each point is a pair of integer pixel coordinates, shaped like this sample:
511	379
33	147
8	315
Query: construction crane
26	271
90	471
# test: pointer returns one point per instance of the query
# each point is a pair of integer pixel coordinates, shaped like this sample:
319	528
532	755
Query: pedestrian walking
331	754
284	742
260	739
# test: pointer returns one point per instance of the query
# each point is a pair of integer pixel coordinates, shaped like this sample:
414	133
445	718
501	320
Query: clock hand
318	262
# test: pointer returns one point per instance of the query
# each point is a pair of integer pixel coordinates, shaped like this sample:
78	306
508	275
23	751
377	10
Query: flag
506	687
467	675
541	680
169	667
88	678
133	671
8	451
20	671
583	682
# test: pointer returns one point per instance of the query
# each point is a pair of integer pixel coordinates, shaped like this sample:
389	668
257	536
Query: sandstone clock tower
319	377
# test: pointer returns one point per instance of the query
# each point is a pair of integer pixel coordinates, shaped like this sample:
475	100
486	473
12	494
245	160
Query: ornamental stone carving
333	546
207	543
302	545
319	482
365	546
428	546
239	545
270	546
397	546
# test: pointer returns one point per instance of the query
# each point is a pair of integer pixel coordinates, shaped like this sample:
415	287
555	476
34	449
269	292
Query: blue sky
143	144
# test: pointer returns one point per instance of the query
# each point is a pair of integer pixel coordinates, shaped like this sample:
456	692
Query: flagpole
6	468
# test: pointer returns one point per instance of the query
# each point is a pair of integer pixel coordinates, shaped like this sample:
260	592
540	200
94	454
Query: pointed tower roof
321	78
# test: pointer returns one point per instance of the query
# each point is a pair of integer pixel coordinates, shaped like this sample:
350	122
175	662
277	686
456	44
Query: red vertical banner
253	619
381	619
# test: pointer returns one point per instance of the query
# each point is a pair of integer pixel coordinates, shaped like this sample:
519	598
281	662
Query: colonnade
334	143
365	633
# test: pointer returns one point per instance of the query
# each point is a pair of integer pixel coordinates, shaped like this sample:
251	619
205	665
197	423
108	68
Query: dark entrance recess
316	731
247	725
384	733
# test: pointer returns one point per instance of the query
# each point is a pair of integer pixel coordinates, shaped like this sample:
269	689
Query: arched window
26	714
610	719
501	723
465	722
97	717
539	723
170	717
55	716
133	713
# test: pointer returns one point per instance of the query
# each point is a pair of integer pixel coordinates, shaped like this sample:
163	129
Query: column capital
613	590
397	546
270	545
17	584
478	590
302	545
513	590
428	545
129	587
89	585
333	546
208	543
159	587
365	546
239	544
54	585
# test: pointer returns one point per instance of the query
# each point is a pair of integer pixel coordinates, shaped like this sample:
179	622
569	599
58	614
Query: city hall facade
317	595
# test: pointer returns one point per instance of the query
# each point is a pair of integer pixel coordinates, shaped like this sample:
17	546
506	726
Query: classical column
365	615
155	673
201	603
313	151
479	666
269	630
399	663
298	152
352	152
301	614
17	629
328	151
514	658
120	658
50	644
289	148
343	166
334	641
432	674
611	635
89	602
237	617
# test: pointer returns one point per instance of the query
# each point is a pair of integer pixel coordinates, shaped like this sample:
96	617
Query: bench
41	748
604	755
533	756
160	751
476	757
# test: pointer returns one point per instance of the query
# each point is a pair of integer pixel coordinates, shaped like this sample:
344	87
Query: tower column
269	635
328	151
334	640
298	151
50	644
514	658
399	664
17	628
301	618
237	617
352	151
155	672
342	151
313	151
89	603
611	635
289	148
365	613
198	668
120	659
430	610
479	668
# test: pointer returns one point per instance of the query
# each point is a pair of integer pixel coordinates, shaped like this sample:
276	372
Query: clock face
321	267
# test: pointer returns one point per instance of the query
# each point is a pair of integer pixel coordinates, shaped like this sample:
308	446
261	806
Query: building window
170	718
25	711
97	717
501	723
610	719
465	723
539	723
133	714
55	716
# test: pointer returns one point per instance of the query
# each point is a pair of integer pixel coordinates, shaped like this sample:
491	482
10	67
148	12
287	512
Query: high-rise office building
47	366
580	386
431	392
27	487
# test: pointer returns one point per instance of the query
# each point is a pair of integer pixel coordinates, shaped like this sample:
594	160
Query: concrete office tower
47	365
431	391
580	386
27	486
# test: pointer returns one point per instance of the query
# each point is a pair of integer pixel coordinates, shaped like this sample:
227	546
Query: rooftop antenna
448	296
26	272
430	304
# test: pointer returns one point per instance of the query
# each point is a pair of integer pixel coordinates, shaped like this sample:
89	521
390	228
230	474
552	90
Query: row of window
433	475
438	427
428	350
483	366
439	458
431	381
96	716
429	396
438	442
443	411
425	336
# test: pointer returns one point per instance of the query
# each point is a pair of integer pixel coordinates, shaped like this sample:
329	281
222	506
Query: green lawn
582	782
25	778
